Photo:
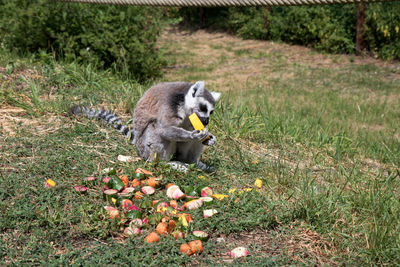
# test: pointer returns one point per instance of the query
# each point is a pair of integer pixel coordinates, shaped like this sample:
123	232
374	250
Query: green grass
323	140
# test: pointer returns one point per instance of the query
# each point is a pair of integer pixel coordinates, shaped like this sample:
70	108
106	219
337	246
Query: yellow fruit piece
202	177
245	190
219	196
114	200
231	191
258	183
183	220
50	183
196	122
161	209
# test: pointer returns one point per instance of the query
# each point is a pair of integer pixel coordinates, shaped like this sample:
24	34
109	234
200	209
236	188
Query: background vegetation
330	28
123	38
117	37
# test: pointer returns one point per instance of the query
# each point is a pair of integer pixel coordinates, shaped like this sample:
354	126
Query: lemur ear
216	95
197	89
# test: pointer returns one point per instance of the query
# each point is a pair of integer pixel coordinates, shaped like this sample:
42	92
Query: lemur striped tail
106	115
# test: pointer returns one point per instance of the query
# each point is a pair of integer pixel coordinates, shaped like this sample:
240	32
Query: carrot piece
135	182
124	179
162	228
152	181
145	172
152	237
171	226
196	246
186	249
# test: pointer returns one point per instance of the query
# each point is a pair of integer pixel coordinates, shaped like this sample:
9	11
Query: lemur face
200	101
204	110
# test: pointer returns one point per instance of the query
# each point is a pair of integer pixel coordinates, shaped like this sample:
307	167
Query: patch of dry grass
237	63
296	242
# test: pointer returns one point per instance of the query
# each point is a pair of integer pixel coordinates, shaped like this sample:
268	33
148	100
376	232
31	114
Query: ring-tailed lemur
161	127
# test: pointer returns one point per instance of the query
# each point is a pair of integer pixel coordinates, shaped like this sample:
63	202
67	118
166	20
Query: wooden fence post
267	11
360	44
202	11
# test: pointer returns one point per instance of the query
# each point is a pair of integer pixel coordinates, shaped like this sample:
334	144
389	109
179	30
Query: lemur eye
203	108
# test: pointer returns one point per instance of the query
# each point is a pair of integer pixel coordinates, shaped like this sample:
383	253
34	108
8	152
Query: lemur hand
210	141
199	135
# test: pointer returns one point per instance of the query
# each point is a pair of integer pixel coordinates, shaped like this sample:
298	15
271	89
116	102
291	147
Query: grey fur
105	115
161	127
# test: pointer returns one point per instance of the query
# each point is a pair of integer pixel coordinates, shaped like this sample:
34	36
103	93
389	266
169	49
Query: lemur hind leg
153	147
190	152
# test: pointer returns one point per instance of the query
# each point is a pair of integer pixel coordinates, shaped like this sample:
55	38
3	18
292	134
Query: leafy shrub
249	23
383	29
322	27
118	37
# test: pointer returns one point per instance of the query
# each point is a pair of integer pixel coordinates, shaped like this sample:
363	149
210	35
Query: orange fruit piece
135	182
145	172
152	181
186	249
155	202
162	228
139	195
196	246
152	237
171	226
124	179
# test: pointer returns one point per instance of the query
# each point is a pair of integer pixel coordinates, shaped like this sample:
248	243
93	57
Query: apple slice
209	213
239	252
148	190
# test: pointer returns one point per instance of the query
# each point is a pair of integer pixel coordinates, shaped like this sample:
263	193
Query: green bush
249	23
383	29
118	37
322	27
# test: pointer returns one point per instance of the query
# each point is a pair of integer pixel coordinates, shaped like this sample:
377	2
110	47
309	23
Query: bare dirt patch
295	242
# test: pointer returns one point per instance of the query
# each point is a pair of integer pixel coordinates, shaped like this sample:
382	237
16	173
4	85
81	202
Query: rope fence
222	3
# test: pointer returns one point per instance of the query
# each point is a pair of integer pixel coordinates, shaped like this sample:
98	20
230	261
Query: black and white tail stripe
106	115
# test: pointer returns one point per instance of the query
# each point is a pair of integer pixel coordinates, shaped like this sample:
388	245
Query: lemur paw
210	141
199	135
179	166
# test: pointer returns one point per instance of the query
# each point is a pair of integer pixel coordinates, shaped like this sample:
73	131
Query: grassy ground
321	131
